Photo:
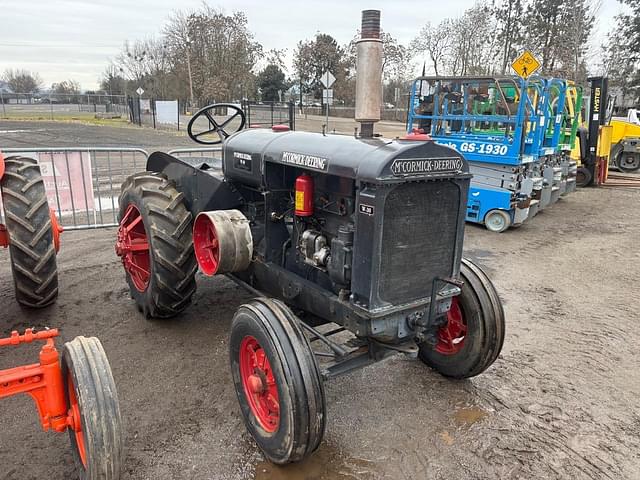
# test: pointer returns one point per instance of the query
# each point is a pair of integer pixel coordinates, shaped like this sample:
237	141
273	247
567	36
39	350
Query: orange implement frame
43	381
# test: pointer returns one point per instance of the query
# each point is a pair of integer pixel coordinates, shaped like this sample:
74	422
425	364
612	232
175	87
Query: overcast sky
76	39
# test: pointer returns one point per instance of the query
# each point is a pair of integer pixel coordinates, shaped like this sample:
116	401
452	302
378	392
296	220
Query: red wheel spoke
138	268
139	247
133	247
133	224
254	358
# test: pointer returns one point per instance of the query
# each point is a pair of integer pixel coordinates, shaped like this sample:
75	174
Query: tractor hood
370	160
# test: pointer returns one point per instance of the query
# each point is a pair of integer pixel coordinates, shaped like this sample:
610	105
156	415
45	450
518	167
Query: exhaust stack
369	73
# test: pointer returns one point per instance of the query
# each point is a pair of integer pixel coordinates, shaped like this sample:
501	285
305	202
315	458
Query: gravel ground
561	401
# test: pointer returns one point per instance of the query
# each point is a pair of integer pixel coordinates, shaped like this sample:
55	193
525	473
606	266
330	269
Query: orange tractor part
43	381
65	391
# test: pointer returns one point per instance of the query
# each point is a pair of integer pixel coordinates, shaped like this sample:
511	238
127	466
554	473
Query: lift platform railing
488	119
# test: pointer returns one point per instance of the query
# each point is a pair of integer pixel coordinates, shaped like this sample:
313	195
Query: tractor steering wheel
215	132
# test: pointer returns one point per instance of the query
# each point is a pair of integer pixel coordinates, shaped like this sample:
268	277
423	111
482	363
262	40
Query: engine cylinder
222	241
304	196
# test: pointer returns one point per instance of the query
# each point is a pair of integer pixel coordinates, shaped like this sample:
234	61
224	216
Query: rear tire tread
173	261
33	256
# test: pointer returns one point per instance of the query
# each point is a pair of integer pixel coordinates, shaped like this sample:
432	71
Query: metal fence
202	153
55	106
83	184
268	114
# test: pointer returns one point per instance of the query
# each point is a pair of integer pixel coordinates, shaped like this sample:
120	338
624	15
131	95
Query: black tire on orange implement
97	439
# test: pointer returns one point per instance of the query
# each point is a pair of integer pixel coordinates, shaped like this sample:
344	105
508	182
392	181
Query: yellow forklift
592	147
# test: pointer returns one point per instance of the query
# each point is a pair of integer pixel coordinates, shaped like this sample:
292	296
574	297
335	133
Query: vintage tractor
352	247
75	394
32	232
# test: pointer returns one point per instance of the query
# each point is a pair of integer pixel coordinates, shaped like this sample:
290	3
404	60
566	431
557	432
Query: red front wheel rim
451	335
206	245
133	248
258	381
76	421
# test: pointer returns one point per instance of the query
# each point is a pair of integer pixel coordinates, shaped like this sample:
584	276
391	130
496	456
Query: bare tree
275	57
22	81
219	50
433	41
509	15
473	54
112	81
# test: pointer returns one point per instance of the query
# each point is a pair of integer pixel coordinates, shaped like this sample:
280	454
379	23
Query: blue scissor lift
498	124
555	167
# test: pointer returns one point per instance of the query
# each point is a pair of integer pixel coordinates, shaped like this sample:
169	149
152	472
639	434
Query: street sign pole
327	107
327	79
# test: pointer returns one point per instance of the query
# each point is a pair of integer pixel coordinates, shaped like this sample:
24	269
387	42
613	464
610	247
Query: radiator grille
418	239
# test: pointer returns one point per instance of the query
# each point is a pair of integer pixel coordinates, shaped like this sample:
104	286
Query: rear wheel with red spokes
471	338
155	245
133	248
93	416
277	381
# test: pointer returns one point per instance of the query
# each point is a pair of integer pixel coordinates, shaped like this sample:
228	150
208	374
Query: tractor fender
200	180
1	165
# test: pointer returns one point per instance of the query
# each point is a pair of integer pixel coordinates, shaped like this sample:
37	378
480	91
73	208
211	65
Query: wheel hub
452	334
256	385
631	161
258	380
132	246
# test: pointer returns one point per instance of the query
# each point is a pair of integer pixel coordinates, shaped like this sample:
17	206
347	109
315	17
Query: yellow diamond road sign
526	64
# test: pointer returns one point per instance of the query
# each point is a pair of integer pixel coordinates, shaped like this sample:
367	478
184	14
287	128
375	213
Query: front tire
277	381
583	177
497	221
31	235
96	434
472	338
156	245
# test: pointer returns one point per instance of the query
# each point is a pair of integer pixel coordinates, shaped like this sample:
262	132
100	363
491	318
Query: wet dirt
561	401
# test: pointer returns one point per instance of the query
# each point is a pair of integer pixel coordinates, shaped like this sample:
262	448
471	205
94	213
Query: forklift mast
595	147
